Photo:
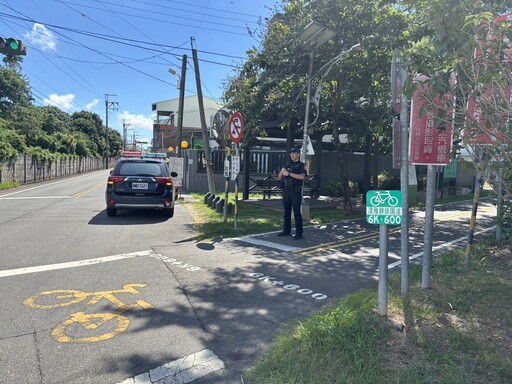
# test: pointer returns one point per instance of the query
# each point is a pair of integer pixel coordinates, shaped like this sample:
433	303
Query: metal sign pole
226	187
236	193
383	269
404	186
426	269
383	208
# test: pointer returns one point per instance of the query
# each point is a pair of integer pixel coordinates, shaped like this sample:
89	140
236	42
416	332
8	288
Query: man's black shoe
280	234
297	237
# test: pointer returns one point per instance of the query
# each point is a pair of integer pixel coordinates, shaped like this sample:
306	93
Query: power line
109	29
174	15
223	11
77	75
125	41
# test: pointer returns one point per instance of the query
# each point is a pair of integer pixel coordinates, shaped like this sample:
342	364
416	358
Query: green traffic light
14	45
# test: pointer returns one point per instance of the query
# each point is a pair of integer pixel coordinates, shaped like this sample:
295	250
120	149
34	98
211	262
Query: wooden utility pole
206	139
108	105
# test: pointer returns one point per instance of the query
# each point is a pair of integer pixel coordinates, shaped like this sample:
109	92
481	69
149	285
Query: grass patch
252	218
458	331
9	185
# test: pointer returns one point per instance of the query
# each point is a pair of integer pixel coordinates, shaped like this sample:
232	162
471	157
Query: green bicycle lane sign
384	207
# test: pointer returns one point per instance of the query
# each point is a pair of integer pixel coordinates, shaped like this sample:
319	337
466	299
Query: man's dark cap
294	149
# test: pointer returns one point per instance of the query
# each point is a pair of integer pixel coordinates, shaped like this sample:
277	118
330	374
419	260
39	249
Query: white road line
269	244
73	264
34	197
42	186
444	245
184	370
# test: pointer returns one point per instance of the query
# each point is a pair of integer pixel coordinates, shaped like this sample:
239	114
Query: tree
472	40
54	120
91	125
14	92
354	95
13	62
46	131
10	144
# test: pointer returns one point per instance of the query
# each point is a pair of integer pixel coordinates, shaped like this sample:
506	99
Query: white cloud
137	121
61	101
42	37
92	104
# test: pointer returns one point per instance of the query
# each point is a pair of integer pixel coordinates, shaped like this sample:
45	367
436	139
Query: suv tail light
115	179
164	180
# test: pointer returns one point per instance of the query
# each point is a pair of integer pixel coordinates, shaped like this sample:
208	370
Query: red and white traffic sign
236	127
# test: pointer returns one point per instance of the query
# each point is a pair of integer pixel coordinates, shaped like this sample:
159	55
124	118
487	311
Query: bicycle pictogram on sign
82	327
382	197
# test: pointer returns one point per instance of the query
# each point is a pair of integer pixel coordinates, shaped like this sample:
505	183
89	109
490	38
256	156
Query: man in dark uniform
293	176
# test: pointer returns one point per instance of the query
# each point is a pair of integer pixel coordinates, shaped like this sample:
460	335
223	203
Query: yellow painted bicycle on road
73	329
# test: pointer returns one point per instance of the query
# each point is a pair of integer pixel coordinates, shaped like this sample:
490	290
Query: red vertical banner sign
428	145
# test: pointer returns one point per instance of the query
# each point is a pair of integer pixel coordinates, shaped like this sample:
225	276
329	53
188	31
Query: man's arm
282	173
298	176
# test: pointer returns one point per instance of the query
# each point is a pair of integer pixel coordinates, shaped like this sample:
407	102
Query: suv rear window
140	168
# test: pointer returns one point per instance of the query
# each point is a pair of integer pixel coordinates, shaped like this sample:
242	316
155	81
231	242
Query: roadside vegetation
9	185
255	218
458	331
252	218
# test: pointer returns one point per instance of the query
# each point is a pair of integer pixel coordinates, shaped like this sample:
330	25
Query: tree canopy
46	130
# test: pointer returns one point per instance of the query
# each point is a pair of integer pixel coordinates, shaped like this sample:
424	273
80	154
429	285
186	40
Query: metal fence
260	162
29	170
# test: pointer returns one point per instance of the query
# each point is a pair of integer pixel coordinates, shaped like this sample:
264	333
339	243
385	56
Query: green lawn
252	218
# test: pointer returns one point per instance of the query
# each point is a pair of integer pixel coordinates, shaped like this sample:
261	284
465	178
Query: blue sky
80	50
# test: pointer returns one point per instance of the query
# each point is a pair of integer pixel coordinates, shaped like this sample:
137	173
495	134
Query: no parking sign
236	127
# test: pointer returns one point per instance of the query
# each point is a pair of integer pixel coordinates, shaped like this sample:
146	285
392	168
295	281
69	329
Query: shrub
331	189
386	181
355	188
336	190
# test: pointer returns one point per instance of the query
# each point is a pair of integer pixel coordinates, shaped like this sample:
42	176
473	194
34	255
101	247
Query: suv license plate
139	185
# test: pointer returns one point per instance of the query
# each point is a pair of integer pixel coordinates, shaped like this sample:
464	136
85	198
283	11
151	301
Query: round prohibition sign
236	127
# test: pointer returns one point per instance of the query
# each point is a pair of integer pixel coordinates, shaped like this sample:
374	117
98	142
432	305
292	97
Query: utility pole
181	101
206	139
126	124
113	106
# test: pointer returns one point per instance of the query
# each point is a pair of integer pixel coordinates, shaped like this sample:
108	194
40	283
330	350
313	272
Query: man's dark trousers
292	200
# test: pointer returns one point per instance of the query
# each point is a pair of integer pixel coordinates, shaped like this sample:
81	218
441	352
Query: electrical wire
128	42
159	51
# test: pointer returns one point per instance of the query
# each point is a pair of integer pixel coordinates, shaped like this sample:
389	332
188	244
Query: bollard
210	199
220	205
214	202
206	197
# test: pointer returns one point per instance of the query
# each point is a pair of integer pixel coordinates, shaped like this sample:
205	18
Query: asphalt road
91	299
